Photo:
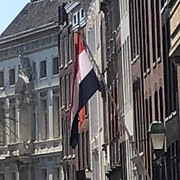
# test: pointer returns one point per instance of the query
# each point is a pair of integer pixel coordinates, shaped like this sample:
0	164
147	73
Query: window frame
12	82
1	79
55	70
41	70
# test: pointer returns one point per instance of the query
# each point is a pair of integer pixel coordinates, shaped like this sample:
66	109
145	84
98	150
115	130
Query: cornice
29	46
27	33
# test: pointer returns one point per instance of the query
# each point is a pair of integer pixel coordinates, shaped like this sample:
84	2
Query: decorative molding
29	47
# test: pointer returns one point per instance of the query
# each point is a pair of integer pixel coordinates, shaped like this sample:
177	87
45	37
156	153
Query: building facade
130	42
154	85
135	45
95	27
31	138
75	161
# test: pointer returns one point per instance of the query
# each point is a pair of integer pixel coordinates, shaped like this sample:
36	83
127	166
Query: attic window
75	19
79	19
82	13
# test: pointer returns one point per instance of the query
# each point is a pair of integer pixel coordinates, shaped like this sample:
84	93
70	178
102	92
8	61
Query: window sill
69	157
44	78
73	156
70	62
148	71
145	74
47	140
154	65
64	158
66	110
55	75
63	107
66	65
134	60
159	59
61	67
170	116
12	86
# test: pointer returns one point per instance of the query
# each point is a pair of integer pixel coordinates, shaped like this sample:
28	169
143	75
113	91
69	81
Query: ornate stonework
28	47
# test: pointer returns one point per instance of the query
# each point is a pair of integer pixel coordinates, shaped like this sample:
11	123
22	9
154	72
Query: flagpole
102	79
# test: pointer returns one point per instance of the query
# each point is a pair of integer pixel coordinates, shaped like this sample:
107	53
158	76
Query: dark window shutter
63	16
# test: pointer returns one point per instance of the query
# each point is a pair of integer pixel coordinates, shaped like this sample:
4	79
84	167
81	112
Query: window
82	13
65	137
13	128
2	176
56	174
135	23
1	79
66	50
147	34
61	52
55	66
153	30
64	92
13	175
158	39
161	104
2	124
70	82
44	174
56	120
156	105
79	19
70	47
11	76
67	91
83	149
75	19
87	149
42	69
44	119
61	91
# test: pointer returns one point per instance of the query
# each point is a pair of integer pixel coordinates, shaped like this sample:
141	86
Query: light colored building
127	83
94	33
109	42
31	141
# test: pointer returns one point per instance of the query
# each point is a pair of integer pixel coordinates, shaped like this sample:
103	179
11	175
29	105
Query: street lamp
157	133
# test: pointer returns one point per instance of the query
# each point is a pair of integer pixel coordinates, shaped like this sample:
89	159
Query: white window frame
75	15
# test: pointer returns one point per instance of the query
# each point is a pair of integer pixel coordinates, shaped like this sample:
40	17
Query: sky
9	9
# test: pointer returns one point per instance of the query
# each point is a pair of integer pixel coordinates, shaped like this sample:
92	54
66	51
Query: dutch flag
85	84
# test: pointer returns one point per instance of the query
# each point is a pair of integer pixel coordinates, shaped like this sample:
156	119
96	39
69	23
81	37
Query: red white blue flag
85	84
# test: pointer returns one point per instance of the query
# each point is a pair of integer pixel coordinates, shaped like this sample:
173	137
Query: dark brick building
154	88
154	83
